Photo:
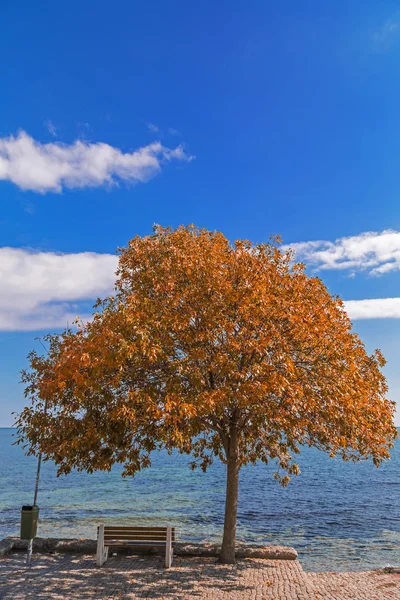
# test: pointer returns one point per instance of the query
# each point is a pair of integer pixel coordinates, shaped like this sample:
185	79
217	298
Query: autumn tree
215	349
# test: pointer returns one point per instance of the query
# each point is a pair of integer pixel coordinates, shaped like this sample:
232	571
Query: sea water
339	516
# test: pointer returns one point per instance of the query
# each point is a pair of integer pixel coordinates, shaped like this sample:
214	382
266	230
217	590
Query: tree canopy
215	349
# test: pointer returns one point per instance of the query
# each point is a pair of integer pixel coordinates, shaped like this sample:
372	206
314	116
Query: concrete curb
83	546
390	569
6	546
242	551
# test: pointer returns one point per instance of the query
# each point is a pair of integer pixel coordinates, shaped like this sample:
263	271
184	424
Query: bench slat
157	529
133	532
115	533
118	533
147	544
138	539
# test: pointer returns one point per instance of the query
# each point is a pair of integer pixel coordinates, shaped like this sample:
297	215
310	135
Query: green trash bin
29	522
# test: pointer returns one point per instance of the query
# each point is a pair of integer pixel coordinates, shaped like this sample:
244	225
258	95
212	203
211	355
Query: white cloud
153	128
377	308
385	36
42	290
51	128
54	166
372	252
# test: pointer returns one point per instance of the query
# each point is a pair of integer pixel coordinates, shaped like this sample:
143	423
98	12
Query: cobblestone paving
71	577
367	585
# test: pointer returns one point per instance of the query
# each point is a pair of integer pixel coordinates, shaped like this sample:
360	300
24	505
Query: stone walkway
72	577
366	585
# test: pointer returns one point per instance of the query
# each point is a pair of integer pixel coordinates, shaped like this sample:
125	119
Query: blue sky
253	118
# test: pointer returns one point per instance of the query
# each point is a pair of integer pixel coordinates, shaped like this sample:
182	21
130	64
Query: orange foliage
219	350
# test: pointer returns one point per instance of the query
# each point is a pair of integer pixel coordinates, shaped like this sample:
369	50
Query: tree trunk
227	555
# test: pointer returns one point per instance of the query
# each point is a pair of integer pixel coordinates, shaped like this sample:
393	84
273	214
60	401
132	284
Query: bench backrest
139	534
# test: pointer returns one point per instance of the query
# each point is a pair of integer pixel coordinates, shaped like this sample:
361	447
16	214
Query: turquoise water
338	516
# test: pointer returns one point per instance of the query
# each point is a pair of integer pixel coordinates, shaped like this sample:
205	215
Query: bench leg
168	548
102	552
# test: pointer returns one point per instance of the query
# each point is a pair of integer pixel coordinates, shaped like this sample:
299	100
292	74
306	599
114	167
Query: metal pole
30	543
29	554
37	479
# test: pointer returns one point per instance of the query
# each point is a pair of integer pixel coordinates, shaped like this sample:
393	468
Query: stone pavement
71	577
366	585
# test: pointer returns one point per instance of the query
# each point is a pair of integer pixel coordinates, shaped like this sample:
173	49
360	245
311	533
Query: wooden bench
147	537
